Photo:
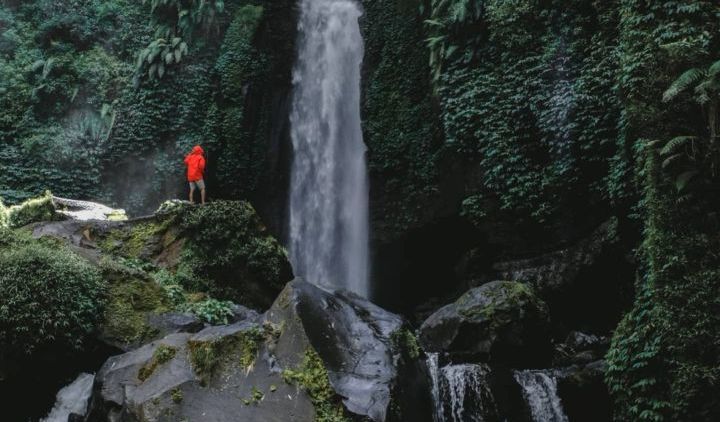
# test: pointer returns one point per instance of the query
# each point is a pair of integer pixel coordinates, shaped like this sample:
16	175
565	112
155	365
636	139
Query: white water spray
329	188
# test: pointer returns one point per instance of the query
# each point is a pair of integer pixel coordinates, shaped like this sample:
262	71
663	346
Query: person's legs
192	192
201	185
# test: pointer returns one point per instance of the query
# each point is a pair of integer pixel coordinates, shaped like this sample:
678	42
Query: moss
163	354
134	240
406	342
513	293
230	255
207	356
313	377
256	397
3	214
31	211
129	303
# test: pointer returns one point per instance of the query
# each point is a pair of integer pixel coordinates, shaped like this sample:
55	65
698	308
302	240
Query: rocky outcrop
313	355
158	266
556	270
499	322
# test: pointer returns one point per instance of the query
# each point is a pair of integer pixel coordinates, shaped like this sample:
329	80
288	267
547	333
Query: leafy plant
687	157
212	311
177	21
52	298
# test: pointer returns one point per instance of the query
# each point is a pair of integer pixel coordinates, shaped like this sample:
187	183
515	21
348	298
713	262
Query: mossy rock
31	211
502	321
221	249
130	302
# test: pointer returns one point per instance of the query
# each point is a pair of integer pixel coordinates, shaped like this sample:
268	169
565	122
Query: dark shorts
200	184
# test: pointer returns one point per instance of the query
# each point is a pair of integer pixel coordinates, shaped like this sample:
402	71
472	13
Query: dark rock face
248	370
584	394
499	322
555	270
362	348
586	285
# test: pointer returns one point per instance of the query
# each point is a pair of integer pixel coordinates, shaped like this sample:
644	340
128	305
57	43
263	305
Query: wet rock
313	355
580	348
242	313
499	322
365	349
174	322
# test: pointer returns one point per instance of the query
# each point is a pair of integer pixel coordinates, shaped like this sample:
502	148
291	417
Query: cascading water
329	187
72	399
540	392
461	392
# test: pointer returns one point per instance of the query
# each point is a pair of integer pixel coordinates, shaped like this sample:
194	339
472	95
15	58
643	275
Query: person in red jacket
195	163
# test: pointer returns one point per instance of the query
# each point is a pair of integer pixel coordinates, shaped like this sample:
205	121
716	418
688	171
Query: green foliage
400	125
230	255
176	21
177	395
242	348
162	354
313	377
663	362
405	341
31	211
51	297
212	311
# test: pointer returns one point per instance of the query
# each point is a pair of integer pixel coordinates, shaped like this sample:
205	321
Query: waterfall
72	399
461	393
540	392
328	239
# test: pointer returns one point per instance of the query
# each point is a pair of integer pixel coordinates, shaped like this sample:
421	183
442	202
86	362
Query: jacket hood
197	150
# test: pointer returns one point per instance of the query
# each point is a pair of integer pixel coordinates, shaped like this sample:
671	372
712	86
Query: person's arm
201	164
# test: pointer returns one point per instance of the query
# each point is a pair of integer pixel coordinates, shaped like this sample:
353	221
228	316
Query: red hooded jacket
195	163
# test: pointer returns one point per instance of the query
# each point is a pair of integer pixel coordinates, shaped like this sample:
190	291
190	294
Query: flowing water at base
461	392
540	392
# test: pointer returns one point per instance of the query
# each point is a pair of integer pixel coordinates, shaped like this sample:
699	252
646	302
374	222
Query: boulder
314	355
175	322
499	322
220	251
558	269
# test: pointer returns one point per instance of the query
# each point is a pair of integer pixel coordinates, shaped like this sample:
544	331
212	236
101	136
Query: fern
673	145
687	79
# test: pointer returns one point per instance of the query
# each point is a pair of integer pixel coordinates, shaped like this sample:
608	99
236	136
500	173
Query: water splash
461	393
540	392
71	399
329	188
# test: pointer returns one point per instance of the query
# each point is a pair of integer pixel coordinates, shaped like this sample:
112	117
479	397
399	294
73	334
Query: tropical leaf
676	143
687	79
683	179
